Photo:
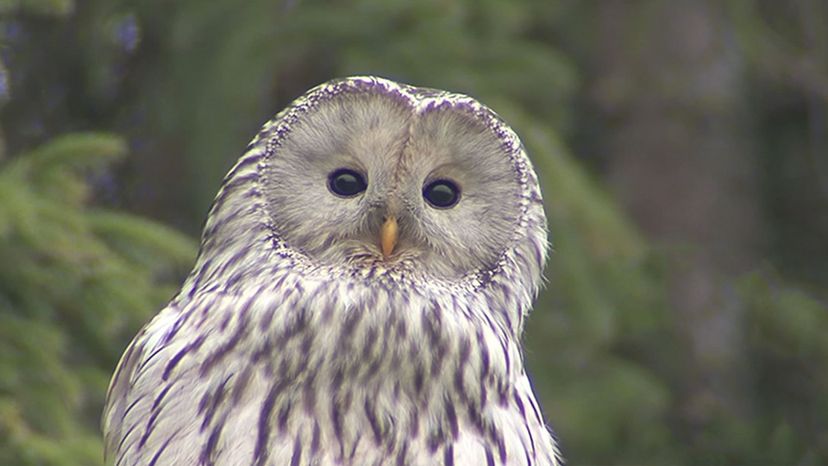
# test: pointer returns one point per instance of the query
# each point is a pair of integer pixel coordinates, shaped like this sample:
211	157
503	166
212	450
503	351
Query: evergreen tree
76	281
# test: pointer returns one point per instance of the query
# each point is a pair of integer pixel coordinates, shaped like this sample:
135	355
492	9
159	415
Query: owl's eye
346	183
442	193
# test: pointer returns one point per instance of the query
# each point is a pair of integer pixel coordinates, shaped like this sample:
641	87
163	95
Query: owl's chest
307	379
349	374
333	421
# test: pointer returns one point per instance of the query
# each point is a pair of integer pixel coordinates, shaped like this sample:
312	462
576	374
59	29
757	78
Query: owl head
374	178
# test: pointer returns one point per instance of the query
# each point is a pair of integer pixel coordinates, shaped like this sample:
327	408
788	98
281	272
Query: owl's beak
388	235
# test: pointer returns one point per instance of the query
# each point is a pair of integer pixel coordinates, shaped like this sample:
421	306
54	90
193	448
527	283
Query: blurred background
682	146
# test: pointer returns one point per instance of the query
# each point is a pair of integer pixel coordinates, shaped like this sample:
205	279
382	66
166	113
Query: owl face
380	176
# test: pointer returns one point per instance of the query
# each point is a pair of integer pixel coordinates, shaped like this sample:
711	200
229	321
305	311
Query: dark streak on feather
297	452
241	328
315	439
372	421
162	448
402	454
489	457
451	415
284	414
260	452
193	346
448	455
207	454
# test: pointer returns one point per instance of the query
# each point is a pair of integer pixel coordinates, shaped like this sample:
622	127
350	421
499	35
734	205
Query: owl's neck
412	344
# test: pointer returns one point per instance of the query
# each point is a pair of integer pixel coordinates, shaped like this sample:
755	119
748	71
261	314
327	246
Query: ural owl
358	299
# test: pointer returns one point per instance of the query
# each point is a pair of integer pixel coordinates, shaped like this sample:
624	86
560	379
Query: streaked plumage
297	341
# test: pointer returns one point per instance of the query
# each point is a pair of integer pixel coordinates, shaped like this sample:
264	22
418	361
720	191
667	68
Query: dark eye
442	193
346	183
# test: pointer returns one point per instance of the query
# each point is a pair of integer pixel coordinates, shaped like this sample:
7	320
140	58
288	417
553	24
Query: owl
359	297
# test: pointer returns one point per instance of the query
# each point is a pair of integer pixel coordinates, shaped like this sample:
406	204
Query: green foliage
75	283
786	337
45	7
605	310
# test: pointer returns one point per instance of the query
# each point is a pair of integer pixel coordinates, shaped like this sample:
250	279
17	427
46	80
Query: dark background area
682	147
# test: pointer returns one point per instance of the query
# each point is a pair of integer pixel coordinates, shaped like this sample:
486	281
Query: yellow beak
388	236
